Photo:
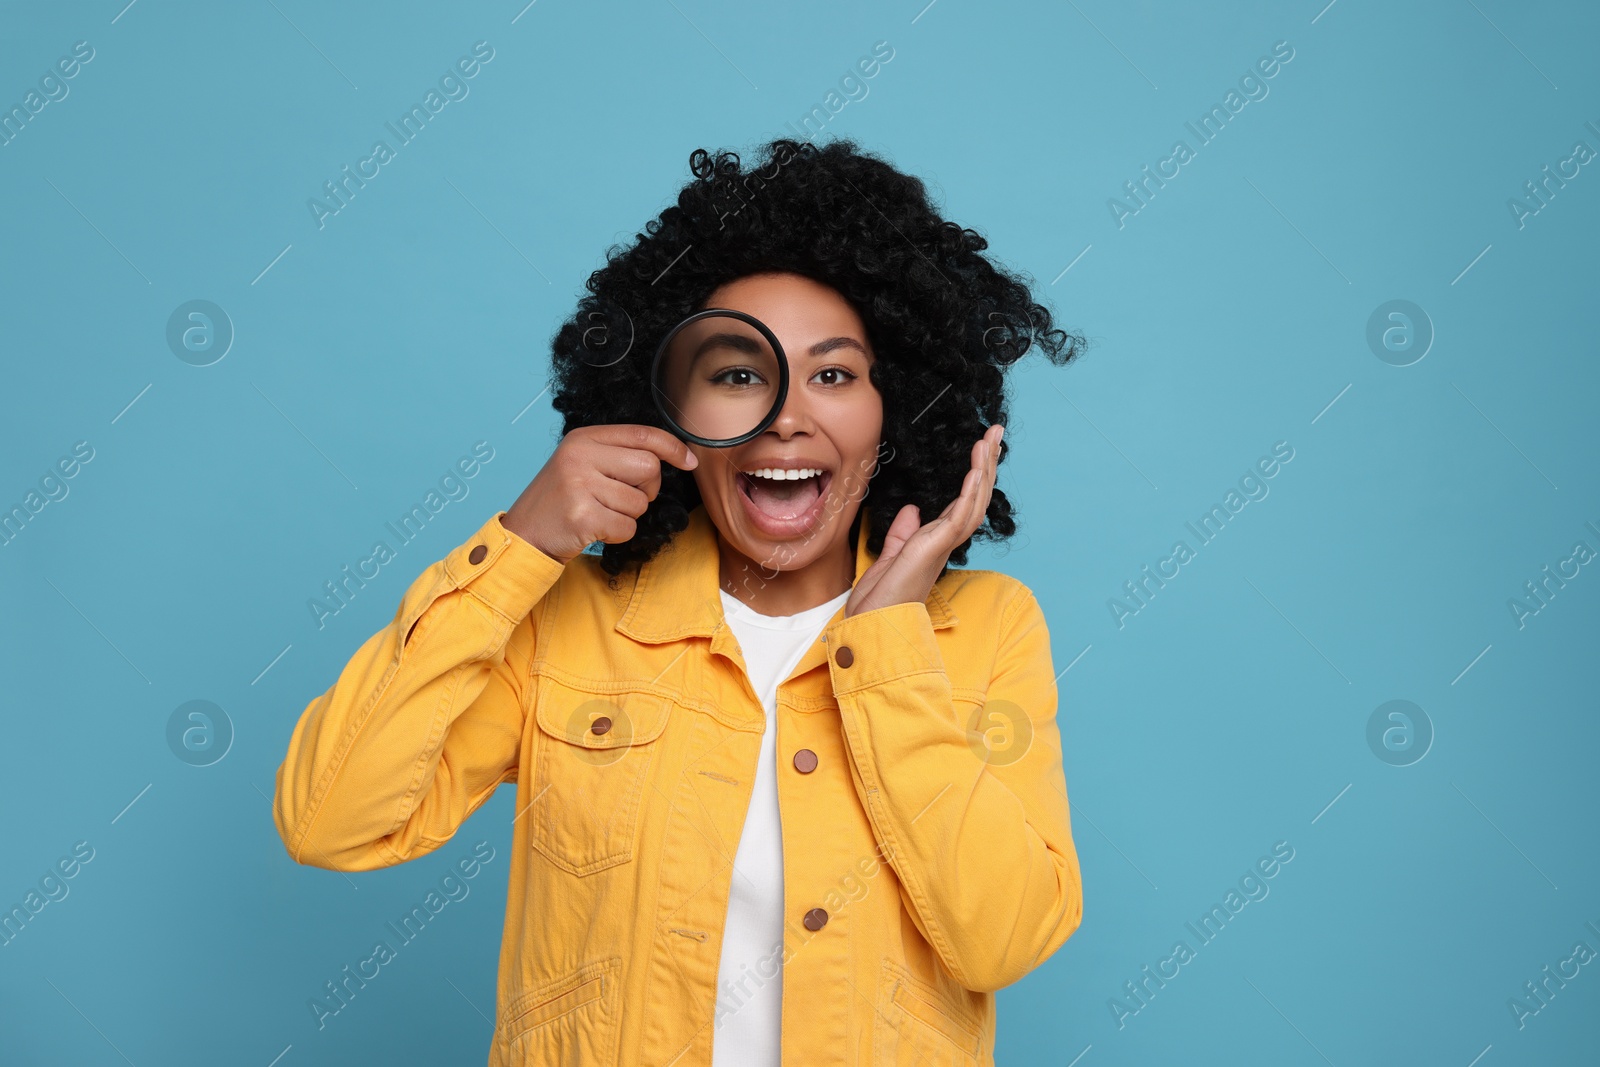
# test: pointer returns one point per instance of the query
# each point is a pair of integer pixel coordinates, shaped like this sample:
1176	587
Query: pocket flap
937	1011
632	716
576	1014
926	1007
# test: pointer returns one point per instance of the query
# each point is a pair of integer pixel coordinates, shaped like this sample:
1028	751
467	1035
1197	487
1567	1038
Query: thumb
907	521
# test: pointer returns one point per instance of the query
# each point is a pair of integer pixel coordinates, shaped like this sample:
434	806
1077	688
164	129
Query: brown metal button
815	919
475	557
805	761
600	725
844	657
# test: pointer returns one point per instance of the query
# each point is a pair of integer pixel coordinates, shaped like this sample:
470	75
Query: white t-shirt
749	1004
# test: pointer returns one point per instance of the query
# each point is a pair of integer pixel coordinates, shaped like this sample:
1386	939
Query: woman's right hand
597	482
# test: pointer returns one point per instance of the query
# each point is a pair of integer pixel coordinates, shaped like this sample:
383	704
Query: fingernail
694	461
1001	435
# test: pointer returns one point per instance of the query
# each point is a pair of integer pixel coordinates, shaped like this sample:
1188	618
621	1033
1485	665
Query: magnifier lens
718	377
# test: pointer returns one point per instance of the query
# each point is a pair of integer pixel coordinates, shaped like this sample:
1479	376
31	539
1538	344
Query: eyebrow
736	341
750	346
822	348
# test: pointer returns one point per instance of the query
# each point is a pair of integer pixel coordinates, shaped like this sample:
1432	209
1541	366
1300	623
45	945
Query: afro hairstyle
944	320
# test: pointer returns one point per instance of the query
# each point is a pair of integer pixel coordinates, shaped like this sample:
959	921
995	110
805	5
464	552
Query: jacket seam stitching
318	800
317	805
874	807
913	885
935	927
448	696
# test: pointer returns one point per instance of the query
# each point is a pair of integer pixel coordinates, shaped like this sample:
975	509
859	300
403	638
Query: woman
749	643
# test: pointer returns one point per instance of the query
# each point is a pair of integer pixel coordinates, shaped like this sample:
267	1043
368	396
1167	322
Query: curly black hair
944	321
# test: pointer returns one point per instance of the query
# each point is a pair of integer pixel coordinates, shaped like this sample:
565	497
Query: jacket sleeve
981	839
425	720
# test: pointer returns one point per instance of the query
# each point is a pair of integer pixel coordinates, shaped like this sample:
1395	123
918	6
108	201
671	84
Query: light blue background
1228	714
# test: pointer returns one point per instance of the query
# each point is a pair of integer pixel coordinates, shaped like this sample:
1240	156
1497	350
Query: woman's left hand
913	553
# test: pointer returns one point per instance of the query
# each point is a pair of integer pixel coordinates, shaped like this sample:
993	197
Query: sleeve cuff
502	570
884	644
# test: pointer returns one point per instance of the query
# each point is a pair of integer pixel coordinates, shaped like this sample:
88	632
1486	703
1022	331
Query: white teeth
784	475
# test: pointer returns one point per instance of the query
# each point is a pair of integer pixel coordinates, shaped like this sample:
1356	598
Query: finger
971	487
870	576
616	528
634	467
991	462
906	523
653	439
963	498
994	476
894	539
622	498
954	511
957	517
976	503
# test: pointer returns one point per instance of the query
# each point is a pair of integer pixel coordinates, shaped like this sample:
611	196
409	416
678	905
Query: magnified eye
715	376
745	377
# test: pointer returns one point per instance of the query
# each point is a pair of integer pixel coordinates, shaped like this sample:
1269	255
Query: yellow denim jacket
928	854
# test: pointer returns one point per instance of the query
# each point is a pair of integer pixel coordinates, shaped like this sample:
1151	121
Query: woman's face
832	422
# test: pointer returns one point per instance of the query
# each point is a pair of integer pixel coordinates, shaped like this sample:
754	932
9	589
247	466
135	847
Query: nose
795	415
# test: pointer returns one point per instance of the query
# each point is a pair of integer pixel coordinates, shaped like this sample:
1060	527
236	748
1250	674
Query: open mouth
785	500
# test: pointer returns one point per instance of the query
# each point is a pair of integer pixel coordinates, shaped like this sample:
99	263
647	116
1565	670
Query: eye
747	376
848	377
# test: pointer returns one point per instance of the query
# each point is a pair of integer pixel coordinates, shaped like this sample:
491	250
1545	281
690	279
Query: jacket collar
677	591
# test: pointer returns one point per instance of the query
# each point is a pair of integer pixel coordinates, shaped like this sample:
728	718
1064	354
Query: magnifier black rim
783	378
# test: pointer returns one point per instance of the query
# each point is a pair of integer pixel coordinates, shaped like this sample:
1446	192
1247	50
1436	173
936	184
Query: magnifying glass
719	378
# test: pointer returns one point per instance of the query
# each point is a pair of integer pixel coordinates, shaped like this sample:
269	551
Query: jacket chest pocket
591	761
